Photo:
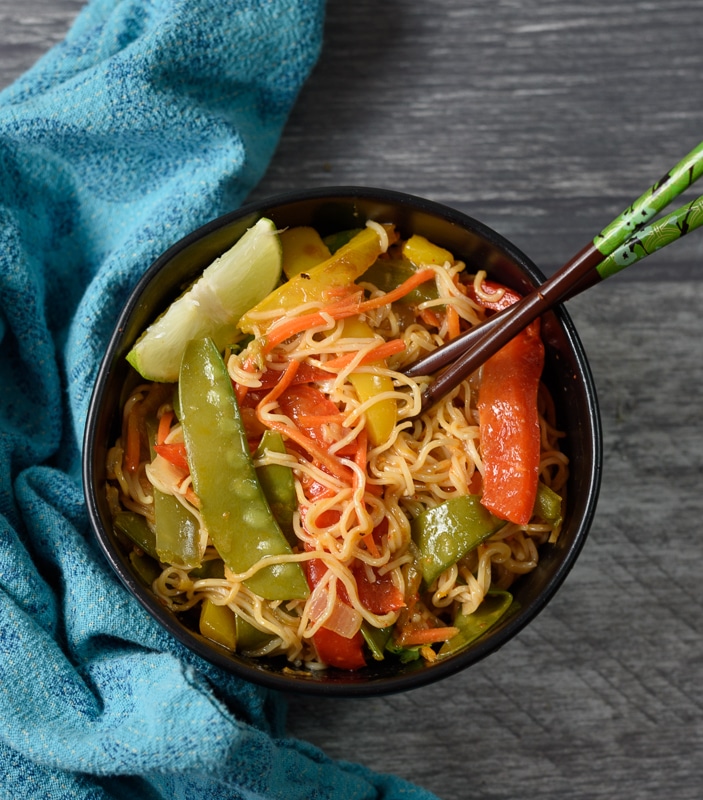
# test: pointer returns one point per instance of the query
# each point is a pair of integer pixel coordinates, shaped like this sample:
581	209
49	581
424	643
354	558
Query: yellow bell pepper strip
303	249
381	417
494	607
421	252
322	282
277	483
219	624
232	503
447	532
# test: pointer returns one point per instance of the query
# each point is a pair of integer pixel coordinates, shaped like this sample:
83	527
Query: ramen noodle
383	506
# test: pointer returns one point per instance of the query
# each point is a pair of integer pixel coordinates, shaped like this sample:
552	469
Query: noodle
357	500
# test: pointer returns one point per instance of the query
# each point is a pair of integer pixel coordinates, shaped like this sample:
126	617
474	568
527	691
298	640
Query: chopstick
626	240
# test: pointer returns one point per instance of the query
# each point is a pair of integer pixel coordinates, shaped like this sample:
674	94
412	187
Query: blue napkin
152	117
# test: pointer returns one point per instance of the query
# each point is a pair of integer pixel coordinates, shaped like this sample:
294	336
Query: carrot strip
370	543
318	453
428	316
192	497
383	350
285	381
241	391
360	455
427	636
453	329
133	447
283	330
347	307
422	276
164	426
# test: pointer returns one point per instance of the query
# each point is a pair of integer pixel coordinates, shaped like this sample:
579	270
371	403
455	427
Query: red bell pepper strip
509	421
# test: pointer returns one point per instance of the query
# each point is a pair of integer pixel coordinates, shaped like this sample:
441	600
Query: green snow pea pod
136	529
376	639
278	483
548	504
232	503
249	638
177	532
447	532
495	605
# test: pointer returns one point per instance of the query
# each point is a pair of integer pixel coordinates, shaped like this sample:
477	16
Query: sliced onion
342	619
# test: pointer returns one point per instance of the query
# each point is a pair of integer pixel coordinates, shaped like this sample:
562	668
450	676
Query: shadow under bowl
566	374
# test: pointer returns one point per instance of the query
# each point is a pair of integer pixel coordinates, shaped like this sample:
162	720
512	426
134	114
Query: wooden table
543	120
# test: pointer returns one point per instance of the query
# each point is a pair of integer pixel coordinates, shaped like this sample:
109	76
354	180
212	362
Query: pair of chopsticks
625	241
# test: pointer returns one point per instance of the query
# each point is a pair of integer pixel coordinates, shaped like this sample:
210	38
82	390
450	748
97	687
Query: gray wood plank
543	119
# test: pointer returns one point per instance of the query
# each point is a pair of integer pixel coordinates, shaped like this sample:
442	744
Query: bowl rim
343	685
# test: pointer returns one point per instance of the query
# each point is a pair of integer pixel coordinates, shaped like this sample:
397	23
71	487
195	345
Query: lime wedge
212	306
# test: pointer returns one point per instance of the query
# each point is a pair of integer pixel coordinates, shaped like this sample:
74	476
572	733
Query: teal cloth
152	117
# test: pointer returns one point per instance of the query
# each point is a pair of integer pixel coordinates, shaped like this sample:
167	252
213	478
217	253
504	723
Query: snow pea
277	483
495	605
447	532
376	639
176	530
234	509
548	504
136	529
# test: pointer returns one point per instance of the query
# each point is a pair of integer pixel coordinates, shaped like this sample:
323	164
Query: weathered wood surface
543	119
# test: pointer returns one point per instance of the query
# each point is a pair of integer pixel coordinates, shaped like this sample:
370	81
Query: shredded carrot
428	316
370	543
360	455
427	636
332	463
192	497
285	381
346	307
453	329
422	276
381	351
240	391
164	426
133	446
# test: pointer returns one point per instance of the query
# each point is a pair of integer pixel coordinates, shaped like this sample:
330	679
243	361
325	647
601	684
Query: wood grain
543	119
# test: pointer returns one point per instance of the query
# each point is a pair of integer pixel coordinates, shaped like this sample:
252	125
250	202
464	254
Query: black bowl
567	374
